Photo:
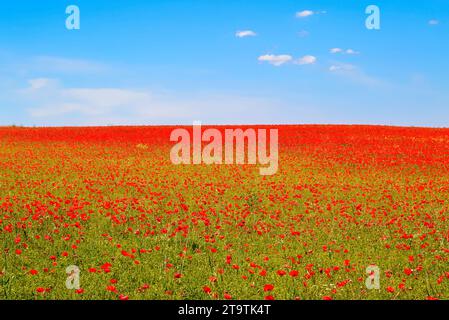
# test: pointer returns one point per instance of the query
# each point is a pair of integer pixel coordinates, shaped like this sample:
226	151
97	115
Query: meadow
109	201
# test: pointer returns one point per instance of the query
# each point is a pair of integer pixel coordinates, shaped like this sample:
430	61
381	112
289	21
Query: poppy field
109	201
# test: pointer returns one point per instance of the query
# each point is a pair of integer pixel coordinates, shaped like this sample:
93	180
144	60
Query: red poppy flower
343	283
268	287
111	288
281	273
207	290
294	273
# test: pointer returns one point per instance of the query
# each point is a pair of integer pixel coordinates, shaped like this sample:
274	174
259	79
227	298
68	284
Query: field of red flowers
109	201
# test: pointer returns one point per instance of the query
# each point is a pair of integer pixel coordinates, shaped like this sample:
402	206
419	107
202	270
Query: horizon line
219	125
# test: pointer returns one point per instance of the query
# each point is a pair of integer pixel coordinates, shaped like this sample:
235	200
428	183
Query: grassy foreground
109	201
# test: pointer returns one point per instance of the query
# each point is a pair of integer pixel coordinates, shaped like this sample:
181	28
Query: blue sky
173	62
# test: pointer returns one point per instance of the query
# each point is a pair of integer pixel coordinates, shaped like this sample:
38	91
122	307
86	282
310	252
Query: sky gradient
224	62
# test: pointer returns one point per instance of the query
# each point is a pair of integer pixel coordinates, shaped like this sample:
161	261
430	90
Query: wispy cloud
434	22
336	50
276	60
343	51
342	67
51	98
308	13
354	74
39	83
306	60
245	33
351	51
50	102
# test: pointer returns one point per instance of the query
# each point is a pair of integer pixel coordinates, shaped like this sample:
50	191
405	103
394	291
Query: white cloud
335	50
307	60
434	22
276	60
351	51
343	51
307	13
341	67
304	14
245	33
